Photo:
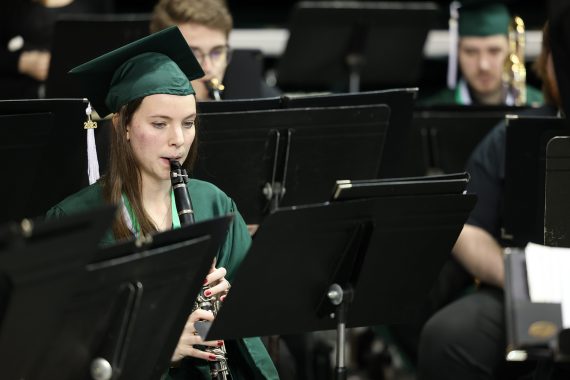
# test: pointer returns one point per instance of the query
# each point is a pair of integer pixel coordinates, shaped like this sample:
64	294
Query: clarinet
219	369
179	178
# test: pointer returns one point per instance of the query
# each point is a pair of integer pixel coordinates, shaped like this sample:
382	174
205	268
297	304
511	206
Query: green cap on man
481	19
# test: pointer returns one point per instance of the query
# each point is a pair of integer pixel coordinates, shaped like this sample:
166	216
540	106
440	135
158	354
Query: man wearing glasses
206	25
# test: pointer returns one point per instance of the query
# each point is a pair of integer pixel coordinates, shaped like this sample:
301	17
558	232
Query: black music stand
81	37
42	140
345	46
451	133
547	340
239	105
127	314
525	165
41	263
557	193
263	159
441	184
402	149
365	247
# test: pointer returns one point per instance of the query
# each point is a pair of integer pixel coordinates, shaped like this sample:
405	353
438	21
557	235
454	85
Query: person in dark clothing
466	339
26	32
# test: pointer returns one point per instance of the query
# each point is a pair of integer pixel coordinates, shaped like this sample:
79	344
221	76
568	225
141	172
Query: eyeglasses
216	55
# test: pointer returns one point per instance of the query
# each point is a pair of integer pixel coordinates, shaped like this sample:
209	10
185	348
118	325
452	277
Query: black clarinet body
218	368
179	178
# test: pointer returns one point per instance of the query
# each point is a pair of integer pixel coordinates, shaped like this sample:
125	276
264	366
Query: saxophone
215	88
219	369
514	73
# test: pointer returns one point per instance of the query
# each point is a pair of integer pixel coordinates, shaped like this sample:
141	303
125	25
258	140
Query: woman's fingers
221	288
215	276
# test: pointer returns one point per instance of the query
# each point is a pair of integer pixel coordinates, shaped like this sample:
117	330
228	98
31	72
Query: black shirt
486	167
32	23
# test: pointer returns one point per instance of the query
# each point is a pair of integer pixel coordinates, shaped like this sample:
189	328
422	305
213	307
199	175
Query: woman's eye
188	124
158	125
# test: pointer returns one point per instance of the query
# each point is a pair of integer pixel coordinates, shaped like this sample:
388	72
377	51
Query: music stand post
353	244
340	298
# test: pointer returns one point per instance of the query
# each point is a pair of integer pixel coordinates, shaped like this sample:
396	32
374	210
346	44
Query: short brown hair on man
211	13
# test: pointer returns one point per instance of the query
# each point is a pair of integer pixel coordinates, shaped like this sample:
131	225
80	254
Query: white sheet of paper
548	274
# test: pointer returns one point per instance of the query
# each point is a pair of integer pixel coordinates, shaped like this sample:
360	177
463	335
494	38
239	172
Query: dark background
275	13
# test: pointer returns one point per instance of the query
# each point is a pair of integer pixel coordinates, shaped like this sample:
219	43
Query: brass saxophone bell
215	88
514	74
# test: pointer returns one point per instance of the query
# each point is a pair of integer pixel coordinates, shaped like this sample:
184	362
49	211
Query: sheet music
548	272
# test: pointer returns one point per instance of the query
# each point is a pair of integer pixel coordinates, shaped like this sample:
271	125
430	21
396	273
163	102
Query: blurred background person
206	26
482	51
467	338
26	31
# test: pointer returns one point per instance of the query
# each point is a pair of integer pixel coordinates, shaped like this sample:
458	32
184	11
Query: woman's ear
116	124
115	120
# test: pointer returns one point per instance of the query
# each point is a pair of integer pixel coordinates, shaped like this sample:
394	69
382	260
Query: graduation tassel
92	162
453	42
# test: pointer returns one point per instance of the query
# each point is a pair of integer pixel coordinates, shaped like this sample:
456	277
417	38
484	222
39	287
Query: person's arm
481	255
35	64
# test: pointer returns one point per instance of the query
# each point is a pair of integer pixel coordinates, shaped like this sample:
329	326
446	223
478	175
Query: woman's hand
189	339
217	282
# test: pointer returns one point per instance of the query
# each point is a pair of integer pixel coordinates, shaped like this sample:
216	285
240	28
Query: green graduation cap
482	18
161	63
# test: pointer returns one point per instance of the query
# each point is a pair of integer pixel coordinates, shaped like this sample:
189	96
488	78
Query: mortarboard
486	19
161	63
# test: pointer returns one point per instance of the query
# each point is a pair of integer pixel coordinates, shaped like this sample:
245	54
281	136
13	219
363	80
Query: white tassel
92	161
453	44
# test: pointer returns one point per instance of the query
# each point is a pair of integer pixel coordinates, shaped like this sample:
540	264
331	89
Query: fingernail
220	342
212	357
222	298
207	293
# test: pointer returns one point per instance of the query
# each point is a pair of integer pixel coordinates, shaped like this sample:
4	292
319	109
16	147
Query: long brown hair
124	177
549	89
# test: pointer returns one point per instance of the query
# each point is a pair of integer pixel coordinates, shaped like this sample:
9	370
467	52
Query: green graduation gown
449	97
248	358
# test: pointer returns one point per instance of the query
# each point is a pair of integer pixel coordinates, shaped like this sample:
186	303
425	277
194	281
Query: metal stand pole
340	298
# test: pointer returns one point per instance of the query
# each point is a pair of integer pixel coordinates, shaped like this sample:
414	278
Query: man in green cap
146	85
466	338
481	51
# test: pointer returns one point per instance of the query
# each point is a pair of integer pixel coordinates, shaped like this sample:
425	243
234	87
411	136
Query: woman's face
161	129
